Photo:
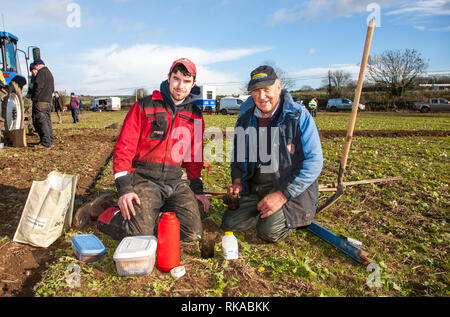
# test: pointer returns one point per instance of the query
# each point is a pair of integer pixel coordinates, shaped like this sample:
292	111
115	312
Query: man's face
180	86
34	71
266	98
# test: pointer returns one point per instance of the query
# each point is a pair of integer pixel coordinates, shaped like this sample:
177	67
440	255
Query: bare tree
288	83
396	70
306	88
337	81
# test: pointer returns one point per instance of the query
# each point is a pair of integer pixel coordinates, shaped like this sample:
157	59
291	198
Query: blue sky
121	45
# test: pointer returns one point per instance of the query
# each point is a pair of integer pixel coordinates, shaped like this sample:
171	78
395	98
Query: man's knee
273	228
233	220
272	233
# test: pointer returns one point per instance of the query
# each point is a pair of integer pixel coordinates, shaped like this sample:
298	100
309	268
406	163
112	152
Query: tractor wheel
12	111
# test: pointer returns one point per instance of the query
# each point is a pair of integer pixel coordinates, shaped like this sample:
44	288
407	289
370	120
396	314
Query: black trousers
75	115
157	196
41	116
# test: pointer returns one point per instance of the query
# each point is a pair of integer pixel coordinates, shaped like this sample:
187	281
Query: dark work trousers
41	116
271	228
171	195
75	115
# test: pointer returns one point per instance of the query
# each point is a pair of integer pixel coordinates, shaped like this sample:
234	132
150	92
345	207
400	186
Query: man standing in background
58	104
41	96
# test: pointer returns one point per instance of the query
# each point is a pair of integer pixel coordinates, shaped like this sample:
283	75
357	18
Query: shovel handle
351	124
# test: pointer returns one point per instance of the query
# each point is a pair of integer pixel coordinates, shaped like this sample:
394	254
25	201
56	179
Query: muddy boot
91	211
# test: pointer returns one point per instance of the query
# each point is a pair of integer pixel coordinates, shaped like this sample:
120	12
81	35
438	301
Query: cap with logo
262	76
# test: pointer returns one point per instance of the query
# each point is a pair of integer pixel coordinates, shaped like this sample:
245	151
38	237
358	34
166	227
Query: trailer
105	104
207	101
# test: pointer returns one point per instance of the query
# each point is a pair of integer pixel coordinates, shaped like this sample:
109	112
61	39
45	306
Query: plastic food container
136	255
87	247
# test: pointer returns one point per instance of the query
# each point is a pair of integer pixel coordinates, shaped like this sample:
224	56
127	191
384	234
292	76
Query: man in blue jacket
276	161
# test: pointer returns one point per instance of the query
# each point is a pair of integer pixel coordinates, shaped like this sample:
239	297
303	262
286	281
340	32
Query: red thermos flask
168	250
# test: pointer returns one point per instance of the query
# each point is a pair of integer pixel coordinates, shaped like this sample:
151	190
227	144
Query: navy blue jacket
300	159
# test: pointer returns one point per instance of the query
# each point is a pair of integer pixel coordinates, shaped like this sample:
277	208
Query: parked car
337	104
230	105
433	104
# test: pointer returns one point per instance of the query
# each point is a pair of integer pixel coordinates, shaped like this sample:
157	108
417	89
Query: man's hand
125	203
271	203
235	188
205	202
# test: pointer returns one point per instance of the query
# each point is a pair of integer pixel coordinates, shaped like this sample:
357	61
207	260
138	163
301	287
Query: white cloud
52	9
424	8
438	29
117	70
312	51
314	76
317	10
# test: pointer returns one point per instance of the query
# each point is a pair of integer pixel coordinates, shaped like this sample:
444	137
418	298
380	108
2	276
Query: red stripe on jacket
180	143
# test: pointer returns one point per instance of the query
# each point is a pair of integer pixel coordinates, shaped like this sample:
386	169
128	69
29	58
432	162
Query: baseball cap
39	62
262	76
190	66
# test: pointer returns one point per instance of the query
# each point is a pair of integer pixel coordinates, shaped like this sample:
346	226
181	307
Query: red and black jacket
159	141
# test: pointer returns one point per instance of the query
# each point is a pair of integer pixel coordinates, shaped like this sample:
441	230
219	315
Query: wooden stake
351	124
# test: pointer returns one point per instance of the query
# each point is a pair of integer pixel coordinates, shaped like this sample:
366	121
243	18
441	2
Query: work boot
91	211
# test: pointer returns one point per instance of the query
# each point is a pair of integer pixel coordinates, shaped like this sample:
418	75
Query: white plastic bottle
230	246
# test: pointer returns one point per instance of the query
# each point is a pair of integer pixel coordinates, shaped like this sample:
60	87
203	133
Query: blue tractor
12	112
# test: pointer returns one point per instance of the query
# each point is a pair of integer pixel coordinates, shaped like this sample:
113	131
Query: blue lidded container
87	247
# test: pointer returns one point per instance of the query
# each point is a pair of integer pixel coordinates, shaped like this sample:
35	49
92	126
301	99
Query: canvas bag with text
48	210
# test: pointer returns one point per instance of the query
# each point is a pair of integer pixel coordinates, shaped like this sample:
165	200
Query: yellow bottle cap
228	233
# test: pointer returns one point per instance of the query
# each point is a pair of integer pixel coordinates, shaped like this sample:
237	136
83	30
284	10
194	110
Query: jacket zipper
169	133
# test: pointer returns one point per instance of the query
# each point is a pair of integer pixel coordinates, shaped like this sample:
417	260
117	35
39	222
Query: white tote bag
48	210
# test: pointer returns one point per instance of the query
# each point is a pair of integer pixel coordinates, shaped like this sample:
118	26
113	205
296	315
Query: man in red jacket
161	134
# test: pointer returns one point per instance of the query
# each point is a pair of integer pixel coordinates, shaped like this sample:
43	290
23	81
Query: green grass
364	121
403	226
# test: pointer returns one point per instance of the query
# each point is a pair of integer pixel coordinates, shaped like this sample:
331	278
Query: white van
230	105
102	104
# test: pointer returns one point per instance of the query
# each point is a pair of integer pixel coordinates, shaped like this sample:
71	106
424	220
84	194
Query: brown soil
84	153
76	152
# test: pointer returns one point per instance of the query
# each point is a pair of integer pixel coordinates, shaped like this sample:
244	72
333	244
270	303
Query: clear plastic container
87	247
135	255
230	246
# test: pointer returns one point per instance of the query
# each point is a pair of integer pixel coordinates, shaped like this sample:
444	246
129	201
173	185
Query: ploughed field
403	225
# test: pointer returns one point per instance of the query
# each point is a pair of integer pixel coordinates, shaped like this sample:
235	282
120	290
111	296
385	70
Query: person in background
59	105
81	106
41	97
312	106
74	104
